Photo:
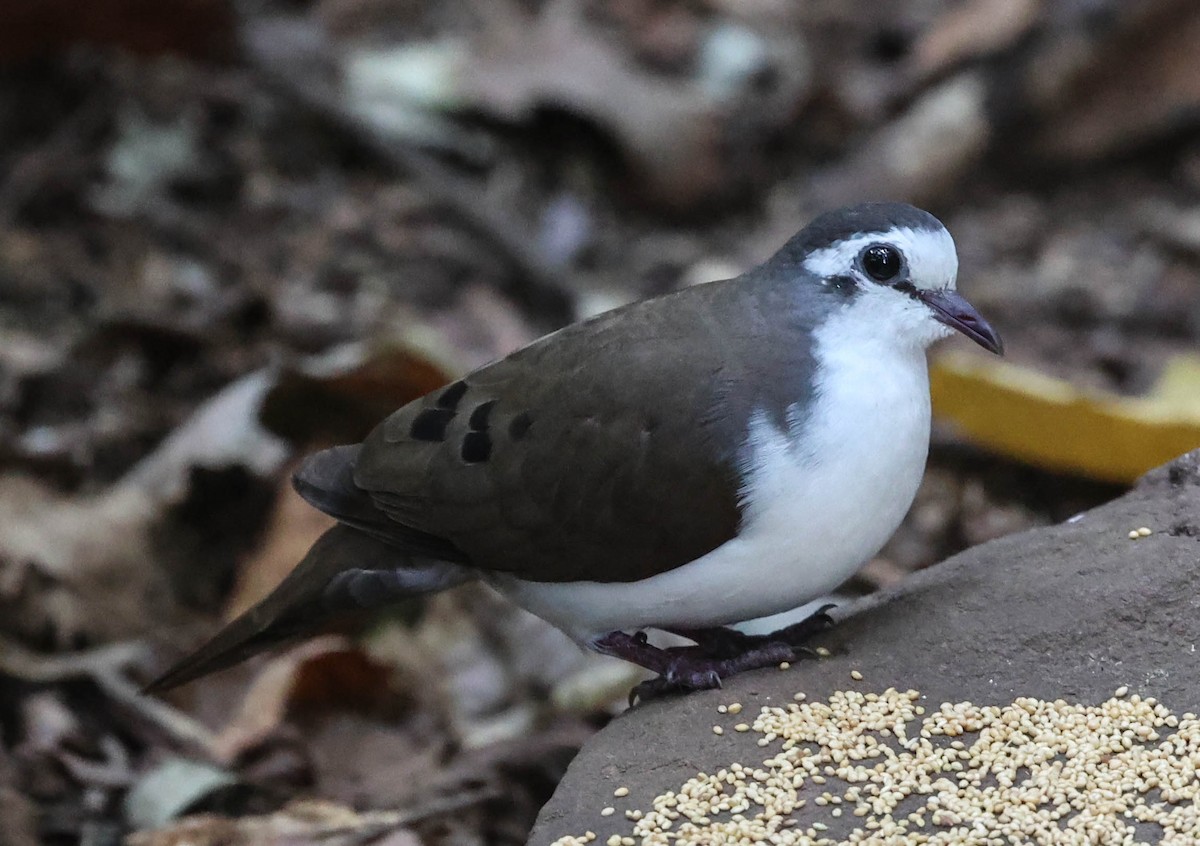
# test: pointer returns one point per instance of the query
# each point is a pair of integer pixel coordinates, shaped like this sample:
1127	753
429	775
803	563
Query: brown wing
603	452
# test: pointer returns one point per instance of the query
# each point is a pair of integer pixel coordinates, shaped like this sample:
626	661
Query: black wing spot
519	426
479	417
476	447
449	398
430	424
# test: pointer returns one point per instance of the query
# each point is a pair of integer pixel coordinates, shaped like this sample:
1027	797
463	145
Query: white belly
811	517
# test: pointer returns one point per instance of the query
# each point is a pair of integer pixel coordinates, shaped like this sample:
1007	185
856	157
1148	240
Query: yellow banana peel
1050	423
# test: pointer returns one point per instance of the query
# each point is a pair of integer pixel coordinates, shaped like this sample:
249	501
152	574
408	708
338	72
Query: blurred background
234	232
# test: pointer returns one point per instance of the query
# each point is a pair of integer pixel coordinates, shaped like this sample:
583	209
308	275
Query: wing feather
592	472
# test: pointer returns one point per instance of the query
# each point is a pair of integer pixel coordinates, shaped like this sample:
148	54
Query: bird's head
897	266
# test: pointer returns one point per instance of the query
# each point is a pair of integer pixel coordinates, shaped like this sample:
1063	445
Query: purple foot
721	642
798	634
719	653
685	668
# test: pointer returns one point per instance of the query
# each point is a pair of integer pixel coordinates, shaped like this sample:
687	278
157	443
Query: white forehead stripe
932	259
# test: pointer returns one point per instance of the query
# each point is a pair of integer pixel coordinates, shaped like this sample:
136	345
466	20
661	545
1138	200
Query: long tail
345	571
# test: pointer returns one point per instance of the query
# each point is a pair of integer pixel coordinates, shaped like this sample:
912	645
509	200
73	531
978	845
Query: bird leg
679	668
684	668
637	649
719	653
723	642
798	634
719	641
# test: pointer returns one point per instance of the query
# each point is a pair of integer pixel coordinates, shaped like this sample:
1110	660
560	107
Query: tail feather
345	571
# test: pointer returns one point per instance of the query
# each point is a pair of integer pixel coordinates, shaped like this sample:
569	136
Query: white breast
813	514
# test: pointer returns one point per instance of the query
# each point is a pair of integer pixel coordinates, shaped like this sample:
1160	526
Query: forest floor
241	232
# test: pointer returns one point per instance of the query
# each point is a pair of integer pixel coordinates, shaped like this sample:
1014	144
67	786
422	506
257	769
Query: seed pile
876	769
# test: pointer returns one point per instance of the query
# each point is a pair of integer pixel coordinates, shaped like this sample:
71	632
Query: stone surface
1072	611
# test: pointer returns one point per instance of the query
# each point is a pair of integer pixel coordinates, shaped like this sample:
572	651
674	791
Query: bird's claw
686	678
798	634
721	652
681	677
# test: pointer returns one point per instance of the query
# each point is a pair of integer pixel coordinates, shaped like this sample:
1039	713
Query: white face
887	268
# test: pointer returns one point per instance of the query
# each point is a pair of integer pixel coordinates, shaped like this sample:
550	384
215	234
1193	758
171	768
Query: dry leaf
369	763
325	673
1049	423
669	130
676	135
172	787
223	432
77	570
340	396
94	568
921	155
971	30
1142	86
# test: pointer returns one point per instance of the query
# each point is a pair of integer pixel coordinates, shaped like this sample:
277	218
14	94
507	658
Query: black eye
882	262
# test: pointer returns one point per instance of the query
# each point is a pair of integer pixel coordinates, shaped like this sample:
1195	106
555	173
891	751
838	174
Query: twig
113	772
18	662
103	665
179	726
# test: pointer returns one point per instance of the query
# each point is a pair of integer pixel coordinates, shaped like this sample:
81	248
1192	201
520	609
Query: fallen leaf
98	568
24	354
673	133
1143	85
1177	227
669	131
224	431
201	830
921	155
62	560
47	723
335	398
325	673
482	325
1050	423
340	396
173	787
368	763
105	666
971	30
